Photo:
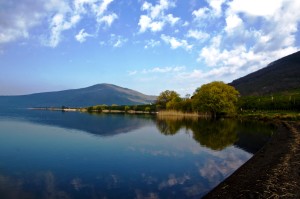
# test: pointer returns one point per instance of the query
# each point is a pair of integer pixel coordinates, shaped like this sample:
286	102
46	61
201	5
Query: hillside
98	94
279	76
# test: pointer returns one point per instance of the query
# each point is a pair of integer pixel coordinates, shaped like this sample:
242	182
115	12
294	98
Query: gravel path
273	172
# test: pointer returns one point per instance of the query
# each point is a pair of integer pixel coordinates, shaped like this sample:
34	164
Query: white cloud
57	26
216	5
272	25
151	43
185	24
231	64
214	57
60	15
178	68
265	8
250	39
201	13
192	74
55	30
108	19
156	19
13	33
103	7
18	17
176	43
157	10
117	41
281	29
198	35
63	19
209	53
163	70
68	16
241	43
132	72
171	19
99	11
156	26
214	10
233	22
146	6
58	6
82	35
144	23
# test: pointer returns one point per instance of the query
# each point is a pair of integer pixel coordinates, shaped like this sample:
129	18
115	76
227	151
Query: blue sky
145	45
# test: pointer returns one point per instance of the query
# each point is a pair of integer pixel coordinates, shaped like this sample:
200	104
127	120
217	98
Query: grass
271	115
249	114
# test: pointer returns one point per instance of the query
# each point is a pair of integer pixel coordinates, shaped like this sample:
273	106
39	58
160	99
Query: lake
46	154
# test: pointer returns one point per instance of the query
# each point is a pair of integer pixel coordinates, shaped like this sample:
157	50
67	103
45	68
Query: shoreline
273	172
259	115
94	111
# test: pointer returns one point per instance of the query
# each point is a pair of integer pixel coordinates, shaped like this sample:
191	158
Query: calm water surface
47	154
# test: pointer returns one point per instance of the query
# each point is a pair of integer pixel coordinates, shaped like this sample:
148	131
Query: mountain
279	76
98	94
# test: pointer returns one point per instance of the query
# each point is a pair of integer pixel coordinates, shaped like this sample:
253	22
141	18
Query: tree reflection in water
169	125
214	134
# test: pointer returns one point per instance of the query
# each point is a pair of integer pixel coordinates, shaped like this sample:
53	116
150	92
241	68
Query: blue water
47	154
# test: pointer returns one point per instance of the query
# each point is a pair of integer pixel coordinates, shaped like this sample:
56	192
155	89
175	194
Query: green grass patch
271	115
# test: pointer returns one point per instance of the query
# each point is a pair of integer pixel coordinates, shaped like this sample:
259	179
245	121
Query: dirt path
273	172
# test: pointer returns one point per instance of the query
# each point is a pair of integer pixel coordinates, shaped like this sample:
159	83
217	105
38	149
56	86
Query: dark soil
273	172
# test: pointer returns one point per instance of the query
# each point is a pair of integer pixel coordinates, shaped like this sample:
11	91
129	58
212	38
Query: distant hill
279	76
98	94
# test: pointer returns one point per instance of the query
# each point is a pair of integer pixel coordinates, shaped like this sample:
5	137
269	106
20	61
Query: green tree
127	108
174	104
147	109
104	107
216	98
98	108
165	97
90	109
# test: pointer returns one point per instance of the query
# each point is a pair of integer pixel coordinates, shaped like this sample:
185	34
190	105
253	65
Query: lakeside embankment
273	172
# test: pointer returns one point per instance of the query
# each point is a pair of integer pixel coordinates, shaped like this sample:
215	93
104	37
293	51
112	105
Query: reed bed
173	113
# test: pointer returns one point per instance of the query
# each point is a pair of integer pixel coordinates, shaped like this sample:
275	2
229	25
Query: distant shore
55	109
94	111
273	172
